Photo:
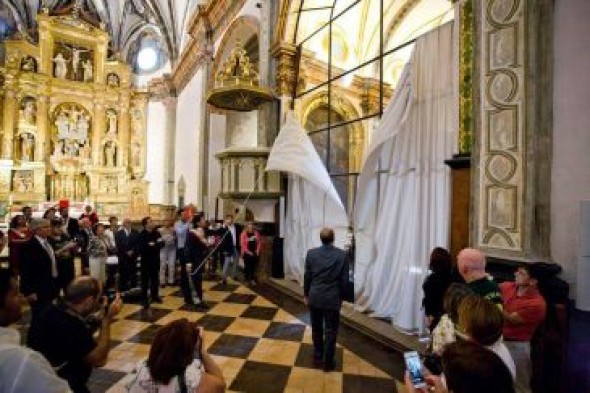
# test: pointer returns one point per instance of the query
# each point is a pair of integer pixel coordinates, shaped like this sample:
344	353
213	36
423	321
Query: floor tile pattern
261	341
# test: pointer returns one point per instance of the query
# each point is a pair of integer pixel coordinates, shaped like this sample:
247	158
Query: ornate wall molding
512	149
503	119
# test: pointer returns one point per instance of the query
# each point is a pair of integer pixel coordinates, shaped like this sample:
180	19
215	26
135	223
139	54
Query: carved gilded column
43	140
136	140
100	53
10	111
285	55
465	20
45	46
98	126
124	132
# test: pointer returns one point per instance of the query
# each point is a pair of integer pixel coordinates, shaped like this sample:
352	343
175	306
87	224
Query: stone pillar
169	148
511	155
43	140
9	117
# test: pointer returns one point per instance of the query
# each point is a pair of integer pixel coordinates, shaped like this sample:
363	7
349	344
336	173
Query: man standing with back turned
325	282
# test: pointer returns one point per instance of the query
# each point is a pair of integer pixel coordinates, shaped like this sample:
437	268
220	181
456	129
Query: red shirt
530	307
93	217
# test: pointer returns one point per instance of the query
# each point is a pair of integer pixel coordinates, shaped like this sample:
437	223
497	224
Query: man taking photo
64	333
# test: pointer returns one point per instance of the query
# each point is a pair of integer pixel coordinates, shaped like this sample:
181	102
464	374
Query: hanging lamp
237	85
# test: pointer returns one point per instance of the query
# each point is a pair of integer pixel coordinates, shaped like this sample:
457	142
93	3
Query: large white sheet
403	213
312	200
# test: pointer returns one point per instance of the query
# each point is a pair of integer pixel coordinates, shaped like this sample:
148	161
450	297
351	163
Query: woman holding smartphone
177	363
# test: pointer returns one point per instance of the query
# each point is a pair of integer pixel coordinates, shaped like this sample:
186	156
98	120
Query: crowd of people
71	316
42	252
480	331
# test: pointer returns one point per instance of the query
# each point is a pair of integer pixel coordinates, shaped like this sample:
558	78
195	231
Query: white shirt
141	380
45	244
111	235
181	228
232	229
23	370
499	348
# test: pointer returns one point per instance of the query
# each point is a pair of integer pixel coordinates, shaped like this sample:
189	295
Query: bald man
472	267
324	285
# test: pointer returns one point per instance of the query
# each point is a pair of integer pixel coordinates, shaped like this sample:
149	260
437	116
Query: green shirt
488	289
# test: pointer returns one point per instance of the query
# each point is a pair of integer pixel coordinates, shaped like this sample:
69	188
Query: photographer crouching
64	333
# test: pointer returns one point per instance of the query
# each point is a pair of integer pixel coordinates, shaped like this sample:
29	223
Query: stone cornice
161	88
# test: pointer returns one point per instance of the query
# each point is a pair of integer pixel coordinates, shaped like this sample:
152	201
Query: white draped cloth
312	201
402	205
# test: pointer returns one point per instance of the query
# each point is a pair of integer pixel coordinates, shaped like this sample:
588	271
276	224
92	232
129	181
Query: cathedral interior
140	108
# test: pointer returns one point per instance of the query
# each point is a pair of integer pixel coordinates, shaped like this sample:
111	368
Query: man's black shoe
157	300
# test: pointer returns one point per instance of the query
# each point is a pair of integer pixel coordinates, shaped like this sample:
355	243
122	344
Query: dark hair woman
436	284
18	234
177	363
468	367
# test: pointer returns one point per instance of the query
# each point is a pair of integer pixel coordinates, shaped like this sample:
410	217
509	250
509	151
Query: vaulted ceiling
129	22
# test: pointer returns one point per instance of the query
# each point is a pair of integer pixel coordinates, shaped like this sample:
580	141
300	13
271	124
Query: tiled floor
261	341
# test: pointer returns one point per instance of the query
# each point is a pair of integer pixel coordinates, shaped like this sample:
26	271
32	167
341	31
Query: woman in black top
436	284
196	244
250	248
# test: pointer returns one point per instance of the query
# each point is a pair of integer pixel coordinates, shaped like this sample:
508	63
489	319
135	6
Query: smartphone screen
414	366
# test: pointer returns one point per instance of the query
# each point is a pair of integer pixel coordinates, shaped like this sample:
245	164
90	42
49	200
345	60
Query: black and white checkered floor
260	339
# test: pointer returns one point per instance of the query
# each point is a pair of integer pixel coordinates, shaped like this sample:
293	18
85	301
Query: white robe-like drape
402	205
312	201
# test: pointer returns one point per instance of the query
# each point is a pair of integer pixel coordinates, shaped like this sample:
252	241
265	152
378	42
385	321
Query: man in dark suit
127	251
149	243
71	226
38	269
325	282
84	235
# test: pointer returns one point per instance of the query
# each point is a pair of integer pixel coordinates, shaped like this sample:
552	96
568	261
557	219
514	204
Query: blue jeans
230	259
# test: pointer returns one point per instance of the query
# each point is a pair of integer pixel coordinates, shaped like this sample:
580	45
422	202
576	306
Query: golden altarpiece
72	127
